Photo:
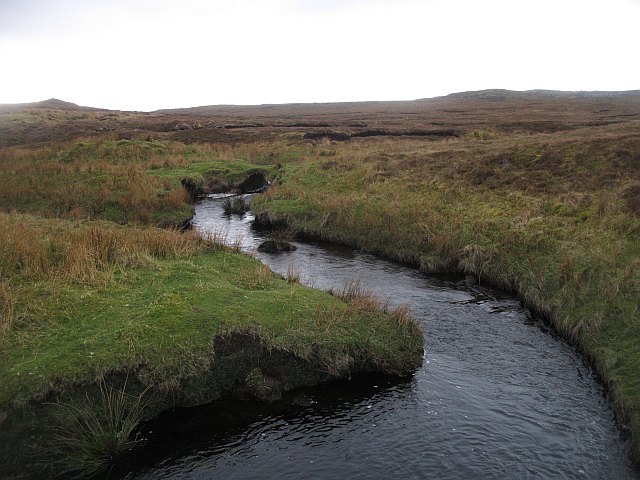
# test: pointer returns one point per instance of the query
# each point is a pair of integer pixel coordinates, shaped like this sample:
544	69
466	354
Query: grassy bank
103	324
106	297
552	217
123	181
83	301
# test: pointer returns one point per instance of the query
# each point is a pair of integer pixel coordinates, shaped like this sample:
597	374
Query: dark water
498	396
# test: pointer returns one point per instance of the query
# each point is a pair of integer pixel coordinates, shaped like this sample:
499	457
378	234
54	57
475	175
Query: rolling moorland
534	192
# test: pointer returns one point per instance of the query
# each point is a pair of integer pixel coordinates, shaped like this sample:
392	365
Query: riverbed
498	395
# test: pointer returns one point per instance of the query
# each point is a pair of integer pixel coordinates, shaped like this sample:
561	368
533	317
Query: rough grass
90	437
90	181
545	216
123	181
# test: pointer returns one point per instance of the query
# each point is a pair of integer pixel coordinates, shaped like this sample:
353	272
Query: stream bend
498	395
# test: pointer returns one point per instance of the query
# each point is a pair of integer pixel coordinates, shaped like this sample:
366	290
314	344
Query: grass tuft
90	437
6	309
292	275
255	277
355	291
235	206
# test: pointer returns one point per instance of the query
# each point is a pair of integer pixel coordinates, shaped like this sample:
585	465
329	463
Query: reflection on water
496	397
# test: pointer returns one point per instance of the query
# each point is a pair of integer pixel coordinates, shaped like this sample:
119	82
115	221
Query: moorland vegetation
534	192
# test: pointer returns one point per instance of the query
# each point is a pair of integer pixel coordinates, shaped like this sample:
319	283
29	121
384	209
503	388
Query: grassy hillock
88	298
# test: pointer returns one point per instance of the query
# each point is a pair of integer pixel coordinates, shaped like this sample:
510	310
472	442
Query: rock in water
274	246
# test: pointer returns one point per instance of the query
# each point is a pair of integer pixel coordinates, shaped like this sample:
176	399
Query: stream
499	396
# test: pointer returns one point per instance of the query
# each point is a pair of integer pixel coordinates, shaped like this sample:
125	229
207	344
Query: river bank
105	325
498	396
574	261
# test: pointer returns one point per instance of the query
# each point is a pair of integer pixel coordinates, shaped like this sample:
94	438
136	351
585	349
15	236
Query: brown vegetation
33	249
486	112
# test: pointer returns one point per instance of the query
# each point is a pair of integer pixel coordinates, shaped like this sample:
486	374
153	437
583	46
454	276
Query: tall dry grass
362	300
48	249
92	180
176	198
6	308
33	249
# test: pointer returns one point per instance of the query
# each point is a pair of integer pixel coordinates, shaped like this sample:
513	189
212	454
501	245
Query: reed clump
293	276
235	206
361	299
91	436
358	297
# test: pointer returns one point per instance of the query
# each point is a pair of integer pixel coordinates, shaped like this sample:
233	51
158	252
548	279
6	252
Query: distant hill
293	109
50	104
500	94
285	109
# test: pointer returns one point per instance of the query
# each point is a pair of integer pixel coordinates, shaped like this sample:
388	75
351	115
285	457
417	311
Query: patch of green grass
228	170
165	317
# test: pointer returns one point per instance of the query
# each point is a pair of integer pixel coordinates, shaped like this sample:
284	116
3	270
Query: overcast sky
150	54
